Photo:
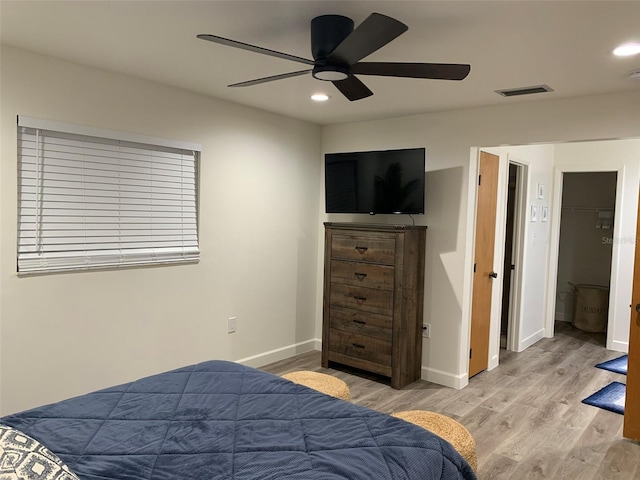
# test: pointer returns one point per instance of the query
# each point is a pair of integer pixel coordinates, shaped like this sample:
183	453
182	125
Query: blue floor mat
617	365
610	398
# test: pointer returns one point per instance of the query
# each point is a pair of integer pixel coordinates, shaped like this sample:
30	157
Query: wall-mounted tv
389	181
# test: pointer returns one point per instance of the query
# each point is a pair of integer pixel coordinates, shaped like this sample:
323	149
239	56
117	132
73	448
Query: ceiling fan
337	50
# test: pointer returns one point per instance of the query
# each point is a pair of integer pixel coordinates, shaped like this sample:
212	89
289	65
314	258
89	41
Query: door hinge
474	267
470	353
479	179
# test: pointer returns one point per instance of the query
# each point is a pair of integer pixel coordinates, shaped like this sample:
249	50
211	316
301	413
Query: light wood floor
526	415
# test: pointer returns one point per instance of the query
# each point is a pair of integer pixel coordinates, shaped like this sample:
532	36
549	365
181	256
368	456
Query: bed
222	420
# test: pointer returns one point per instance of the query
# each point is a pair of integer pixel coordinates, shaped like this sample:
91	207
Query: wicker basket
446	428
322	382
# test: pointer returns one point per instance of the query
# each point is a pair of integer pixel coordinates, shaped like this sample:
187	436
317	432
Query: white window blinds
96	202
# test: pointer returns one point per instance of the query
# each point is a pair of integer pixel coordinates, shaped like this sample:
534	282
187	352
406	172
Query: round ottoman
322	382
447	428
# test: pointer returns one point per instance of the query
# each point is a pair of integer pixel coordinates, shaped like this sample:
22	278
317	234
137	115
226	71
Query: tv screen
389	181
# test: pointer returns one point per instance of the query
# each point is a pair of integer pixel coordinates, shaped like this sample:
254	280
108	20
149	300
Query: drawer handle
360	299
361	250
358	345
360	322
360	276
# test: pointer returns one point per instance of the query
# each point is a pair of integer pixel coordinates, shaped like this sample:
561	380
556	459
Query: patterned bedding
221	420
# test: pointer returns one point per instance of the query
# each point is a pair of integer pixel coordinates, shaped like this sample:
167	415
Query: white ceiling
564	44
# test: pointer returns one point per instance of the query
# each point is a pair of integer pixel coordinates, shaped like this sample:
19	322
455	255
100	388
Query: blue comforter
221	420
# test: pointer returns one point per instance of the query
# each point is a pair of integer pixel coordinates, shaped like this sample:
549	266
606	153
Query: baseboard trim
280	353
439	377
530	340
445	379
618	346
493	362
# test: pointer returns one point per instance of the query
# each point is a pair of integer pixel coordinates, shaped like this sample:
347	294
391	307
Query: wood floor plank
598	437
526	415
619	461
502	429
511	389
571	468
497	467
541	424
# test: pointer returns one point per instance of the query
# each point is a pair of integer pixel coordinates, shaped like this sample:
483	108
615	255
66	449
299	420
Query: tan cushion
322	382
448	429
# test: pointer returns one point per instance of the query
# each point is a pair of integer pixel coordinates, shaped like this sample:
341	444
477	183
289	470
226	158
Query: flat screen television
389	181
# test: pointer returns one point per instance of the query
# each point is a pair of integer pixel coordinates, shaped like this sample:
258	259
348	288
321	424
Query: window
90	198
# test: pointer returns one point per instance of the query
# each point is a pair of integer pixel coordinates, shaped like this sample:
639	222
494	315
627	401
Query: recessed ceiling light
627	49
319	97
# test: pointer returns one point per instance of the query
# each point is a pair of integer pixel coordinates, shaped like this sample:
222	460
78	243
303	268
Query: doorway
511	264
585	249
544	166
501	208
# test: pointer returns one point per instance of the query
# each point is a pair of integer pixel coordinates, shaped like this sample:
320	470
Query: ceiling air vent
513	92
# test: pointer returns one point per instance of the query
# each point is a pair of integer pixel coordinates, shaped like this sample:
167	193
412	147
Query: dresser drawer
361	298
362	274
364	248
362	323
360	346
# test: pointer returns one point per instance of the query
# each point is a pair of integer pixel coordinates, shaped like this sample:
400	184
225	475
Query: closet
585	249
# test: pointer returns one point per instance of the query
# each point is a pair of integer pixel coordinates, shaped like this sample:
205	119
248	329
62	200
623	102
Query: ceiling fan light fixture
330	73
627	49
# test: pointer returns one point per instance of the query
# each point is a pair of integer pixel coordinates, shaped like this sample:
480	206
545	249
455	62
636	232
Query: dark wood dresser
373	299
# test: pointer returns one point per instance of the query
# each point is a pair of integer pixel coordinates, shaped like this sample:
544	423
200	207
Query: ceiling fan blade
438	71
352	88
252	48
258	81
375	32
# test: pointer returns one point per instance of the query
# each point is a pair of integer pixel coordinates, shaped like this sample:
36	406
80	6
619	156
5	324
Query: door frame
514	342
554	250
499	251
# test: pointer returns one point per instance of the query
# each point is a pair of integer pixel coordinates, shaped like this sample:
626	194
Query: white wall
449	137
261	253
623	157
259	225
539	159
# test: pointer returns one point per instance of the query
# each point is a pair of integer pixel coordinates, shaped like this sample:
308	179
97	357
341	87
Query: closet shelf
589	209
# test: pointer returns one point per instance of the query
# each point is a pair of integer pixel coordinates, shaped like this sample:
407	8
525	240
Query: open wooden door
483	275
632	401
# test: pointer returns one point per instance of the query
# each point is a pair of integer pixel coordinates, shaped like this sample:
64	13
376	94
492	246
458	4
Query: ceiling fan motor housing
327	32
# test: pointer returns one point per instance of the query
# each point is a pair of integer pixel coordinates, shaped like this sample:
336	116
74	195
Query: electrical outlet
232	324
426	330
